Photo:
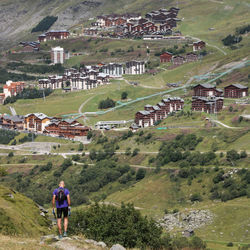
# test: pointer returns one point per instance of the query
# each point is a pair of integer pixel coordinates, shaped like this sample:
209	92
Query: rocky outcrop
186	220
117	247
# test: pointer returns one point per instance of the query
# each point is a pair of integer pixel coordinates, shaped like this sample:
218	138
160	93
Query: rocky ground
186	220
75	243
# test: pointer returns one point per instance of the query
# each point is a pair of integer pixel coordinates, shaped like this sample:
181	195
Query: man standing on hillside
62	200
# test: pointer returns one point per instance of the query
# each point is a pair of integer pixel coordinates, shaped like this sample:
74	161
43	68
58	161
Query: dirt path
216	47
224	125
144	86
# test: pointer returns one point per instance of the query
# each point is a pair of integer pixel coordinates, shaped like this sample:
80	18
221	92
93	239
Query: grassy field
154	194
19	221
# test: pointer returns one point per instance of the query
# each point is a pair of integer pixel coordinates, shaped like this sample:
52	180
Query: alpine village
139	110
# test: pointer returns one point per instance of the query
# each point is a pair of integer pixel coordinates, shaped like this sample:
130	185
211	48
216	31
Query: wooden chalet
36	122
54	35
191	57
66	128
206	90
235	91
166	57
199	45
12	122
178	60
152	114
207	105
145	118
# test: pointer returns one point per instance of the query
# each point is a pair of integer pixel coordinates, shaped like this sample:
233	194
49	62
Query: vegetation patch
45	24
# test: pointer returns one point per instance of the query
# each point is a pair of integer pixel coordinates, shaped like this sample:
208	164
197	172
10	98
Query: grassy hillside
19	215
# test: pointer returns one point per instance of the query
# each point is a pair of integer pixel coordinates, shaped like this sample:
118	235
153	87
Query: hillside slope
18	18
19	215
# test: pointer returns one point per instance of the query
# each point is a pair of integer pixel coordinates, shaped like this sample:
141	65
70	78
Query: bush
124	95
103	223
232	155
89	135
196	197
135	152
231	39
11	154
108	103
3	172
230	244
80	148
140	174
6	136
45	24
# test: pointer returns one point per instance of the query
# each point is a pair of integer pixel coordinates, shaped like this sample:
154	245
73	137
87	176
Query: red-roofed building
12	88
166	57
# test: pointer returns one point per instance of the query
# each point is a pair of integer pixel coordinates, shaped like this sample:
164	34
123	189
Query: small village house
166	57
235	91
178	60
198	45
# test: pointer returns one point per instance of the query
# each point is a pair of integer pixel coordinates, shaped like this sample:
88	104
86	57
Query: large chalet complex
207	98
207	104
88	77
42	124
160	22
152	114
54	35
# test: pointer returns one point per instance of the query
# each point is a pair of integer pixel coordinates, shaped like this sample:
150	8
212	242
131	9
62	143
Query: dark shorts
60	211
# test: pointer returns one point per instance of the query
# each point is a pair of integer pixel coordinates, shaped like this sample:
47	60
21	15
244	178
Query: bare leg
65	224
59	224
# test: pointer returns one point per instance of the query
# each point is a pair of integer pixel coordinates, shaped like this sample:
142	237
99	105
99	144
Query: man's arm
53	201
68	199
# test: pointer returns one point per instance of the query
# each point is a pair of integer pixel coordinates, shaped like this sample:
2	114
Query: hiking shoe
60	237
65	234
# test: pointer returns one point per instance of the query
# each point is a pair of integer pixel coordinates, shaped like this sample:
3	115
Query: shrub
230	244
232	155
6	136
108	103
196	197
135	152
3	172
89	135
80	148
231	39
11	154
140	174
124	95
134	231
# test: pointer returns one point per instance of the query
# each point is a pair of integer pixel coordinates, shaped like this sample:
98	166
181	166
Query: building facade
235	91
207	90
57	55
154	113
135	68
166	57
113	69
207	105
